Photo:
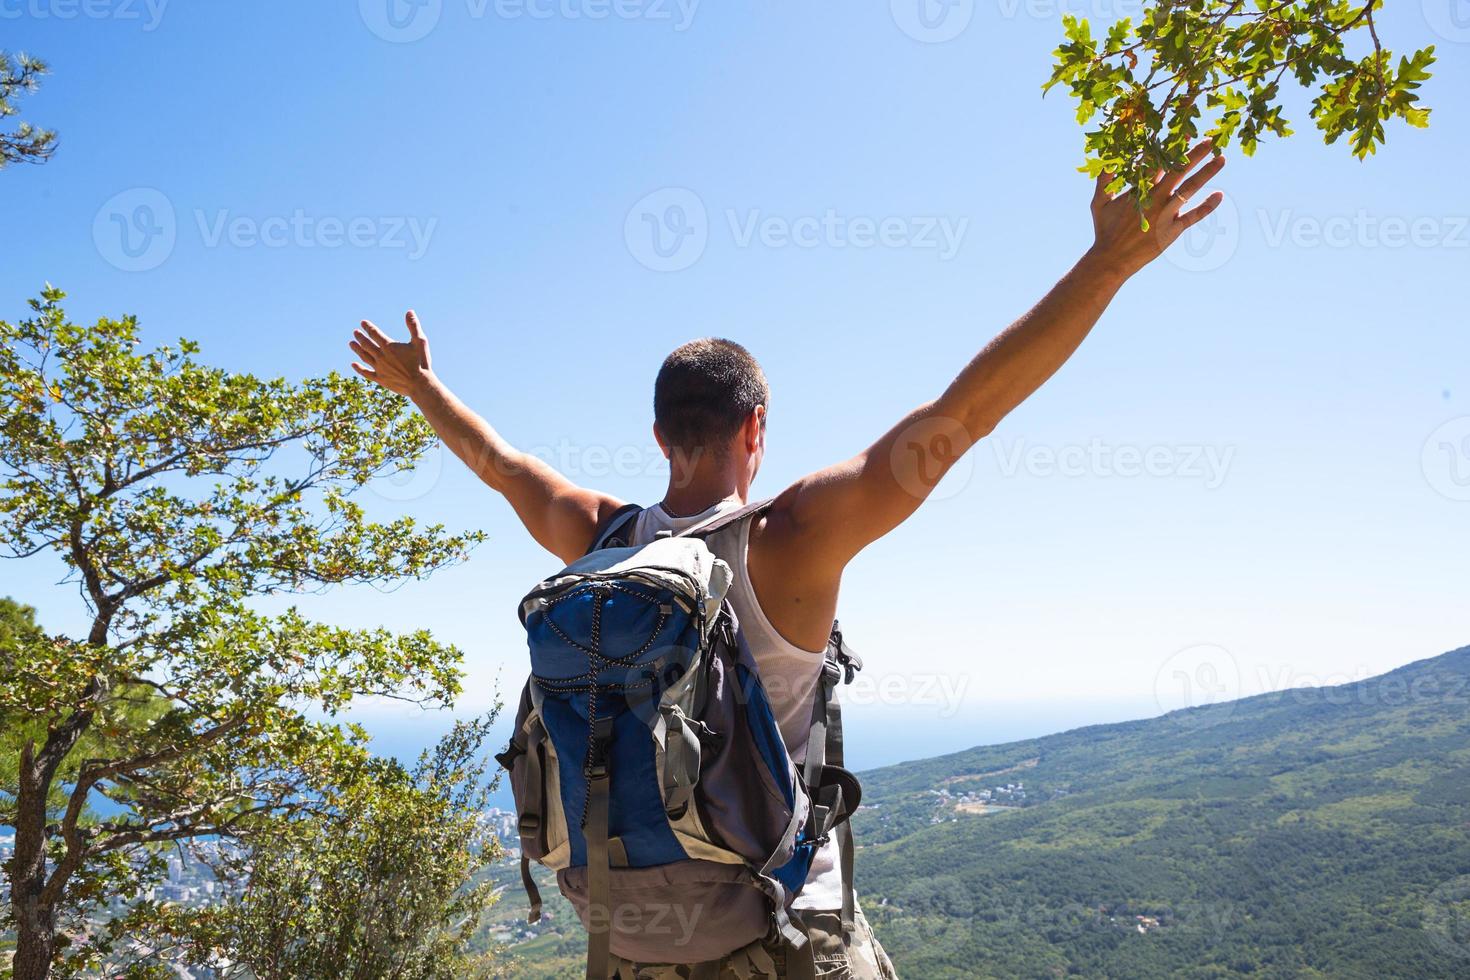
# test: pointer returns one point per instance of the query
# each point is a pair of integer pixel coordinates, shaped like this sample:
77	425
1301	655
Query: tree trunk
34	952
35	922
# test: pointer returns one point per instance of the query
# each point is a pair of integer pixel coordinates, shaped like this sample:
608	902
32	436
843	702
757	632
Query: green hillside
1322	832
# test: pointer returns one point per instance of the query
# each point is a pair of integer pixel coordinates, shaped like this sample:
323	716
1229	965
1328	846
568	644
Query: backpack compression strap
599	858
618	531
721	521
830	813
831	807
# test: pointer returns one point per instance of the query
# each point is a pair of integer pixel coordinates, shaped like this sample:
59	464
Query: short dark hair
705	391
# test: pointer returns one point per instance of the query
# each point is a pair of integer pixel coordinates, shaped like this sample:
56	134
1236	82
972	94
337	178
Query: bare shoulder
796	586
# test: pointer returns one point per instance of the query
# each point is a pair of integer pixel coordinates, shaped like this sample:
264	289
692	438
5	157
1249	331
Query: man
710	420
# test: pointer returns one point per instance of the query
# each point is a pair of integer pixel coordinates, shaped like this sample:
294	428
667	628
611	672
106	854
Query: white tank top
788	673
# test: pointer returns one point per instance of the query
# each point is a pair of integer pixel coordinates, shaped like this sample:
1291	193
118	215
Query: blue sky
1255	474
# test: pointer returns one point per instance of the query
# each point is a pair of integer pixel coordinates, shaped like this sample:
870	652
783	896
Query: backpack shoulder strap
617	532
721	521
833	803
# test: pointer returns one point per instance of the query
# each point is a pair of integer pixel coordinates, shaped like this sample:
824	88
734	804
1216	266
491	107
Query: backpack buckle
831	673
508	758
837	651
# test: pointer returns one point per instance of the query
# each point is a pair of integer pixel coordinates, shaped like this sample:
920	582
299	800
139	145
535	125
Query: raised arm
823	520
560	515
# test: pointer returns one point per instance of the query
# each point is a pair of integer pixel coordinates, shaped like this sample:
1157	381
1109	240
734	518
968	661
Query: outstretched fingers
1173	178
1199	179
365	347
415	330
363	351
376	333
1194	216
367	343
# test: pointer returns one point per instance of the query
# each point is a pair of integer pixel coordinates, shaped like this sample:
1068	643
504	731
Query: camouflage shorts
834	957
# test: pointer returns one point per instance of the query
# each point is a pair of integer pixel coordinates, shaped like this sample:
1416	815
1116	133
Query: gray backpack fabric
647	766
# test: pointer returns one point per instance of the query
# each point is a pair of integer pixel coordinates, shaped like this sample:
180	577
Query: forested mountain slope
1320	832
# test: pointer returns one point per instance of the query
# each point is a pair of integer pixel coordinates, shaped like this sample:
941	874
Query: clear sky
1255	474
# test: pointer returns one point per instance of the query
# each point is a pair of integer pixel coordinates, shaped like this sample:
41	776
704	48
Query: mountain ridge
1265	836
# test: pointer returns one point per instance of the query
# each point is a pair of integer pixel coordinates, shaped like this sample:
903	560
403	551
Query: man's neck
685	498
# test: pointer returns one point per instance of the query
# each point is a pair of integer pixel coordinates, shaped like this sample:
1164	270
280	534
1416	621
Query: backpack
646	764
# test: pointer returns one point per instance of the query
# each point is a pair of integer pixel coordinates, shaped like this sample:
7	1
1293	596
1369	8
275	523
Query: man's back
788	672
789	675
710	402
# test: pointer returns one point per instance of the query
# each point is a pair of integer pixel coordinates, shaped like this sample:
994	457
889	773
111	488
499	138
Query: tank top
788	673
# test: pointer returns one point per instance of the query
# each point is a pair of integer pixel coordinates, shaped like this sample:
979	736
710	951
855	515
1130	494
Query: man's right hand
1122	244
798	552
560	515
399	367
